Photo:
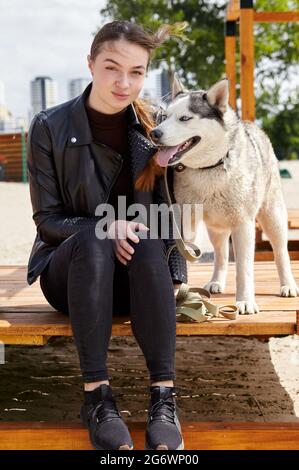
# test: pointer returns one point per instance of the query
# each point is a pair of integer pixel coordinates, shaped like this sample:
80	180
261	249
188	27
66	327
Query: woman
86	152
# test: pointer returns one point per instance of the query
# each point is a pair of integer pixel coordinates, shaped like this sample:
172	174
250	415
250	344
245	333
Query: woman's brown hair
135	33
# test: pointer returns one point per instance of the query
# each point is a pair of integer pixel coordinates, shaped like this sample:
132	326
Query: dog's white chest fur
223	194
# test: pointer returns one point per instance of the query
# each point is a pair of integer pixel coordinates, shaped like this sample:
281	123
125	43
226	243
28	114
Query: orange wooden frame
242	11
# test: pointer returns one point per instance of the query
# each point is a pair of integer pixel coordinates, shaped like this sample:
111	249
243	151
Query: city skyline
53	39
42	39
44	94
31	62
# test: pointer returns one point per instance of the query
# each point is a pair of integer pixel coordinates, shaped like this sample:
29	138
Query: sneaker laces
163	408
101	413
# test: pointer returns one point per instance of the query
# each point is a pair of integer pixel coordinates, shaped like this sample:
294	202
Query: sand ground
218	378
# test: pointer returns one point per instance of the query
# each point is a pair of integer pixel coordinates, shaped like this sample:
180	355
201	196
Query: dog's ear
177	86
217	95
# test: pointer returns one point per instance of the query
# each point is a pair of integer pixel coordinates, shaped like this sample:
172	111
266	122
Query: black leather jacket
69	175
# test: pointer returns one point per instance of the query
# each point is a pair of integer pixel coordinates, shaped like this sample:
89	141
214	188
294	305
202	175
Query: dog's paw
289	290
214	287
246	307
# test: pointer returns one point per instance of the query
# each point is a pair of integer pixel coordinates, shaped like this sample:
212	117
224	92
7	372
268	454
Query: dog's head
191	125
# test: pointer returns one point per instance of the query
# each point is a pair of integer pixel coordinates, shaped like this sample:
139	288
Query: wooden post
247	59
242	11
230	60
233	10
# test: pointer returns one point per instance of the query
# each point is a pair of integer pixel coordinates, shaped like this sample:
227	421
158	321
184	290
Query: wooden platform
27	318
293	218
197	436
263	249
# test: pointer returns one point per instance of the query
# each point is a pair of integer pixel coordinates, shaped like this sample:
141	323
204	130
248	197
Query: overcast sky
39	37
50	37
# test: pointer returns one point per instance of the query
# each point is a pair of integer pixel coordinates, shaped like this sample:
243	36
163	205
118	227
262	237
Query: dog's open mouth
170	155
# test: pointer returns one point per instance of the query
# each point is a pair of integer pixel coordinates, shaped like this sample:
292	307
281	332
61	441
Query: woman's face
118	73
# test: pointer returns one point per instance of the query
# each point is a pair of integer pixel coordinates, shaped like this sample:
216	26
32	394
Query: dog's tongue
165	154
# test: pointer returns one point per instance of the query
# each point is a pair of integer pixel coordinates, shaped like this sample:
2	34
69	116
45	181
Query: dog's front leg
220	242
243	237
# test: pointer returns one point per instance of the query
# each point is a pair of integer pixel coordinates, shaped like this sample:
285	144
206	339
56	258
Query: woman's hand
119	231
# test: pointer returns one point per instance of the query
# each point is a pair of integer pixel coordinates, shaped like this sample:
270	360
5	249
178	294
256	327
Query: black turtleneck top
112	130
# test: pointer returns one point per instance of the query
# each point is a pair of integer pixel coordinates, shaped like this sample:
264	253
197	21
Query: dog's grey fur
245	187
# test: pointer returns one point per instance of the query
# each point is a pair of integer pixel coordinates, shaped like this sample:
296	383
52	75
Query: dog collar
180	167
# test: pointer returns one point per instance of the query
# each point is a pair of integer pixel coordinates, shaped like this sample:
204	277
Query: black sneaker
107	429
163	430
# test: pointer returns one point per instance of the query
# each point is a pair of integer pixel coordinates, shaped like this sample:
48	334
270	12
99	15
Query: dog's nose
156	134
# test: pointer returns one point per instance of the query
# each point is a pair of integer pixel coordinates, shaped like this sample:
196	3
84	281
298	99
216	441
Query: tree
276	42
282	127
276	57
198	56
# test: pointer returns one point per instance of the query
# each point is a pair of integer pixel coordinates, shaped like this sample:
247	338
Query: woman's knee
86	241
54	292
148	251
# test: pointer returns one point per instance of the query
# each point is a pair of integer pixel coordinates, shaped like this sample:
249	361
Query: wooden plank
18	272
264	252
13	286
26	315
247	64
293	218
269	300
276	16
265	323
268	255
25	340
197	436
294	224
18	294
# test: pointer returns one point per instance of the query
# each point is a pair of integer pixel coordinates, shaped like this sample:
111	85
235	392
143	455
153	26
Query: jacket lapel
141	148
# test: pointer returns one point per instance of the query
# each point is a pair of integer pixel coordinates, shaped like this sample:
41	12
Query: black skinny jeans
85	280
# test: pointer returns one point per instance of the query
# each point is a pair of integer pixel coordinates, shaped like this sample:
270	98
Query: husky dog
229	167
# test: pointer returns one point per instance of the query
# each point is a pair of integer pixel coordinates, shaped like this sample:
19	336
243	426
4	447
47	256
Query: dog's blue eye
185	118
